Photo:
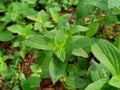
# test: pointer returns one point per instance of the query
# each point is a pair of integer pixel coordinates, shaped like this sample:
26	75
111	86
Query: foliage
83	55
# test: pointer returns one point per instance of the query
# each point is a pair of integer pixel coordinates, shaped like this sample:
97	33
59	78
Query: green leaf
6	36
56	69
80	52
80	42
61	54
107	54
60	38
113	3
16	29
3	67
24	83
102	4
117	41
55	15
39	42
115	81
34	81
97	71
93	28
74	81
29	1
2	7
84	9
43	62
41	17
97	85
77	28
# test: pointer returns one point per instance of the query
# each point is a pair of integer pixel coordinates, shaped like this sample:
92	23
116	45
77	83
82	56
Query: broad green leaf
93	28
80	52
115	81
113	3
81	42
56	69
61	54
97	71
39	42
107	54
97	85
77	28
74	81
6	36
16	29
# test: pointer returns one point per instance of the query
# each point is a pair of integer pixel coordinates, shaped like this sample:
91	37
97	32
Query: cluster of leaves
75	54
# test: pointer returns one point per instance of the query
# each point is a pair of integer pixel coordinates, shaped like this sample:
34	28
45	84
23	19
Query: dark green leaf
93	28
56	69
97	71
75	82
24	82
84	9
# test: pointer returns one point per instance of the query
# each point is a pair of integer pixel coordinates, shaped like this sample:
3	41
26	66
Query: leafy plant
38	43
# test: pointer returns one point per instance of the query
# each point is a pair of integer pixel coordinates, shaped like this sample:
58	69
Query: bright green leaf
115	81
16	29
55	15
61	54
107	54
97	85
80	52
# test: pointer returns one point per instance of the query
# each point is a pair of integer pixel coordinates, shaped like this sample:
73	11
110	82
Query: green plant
37	42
